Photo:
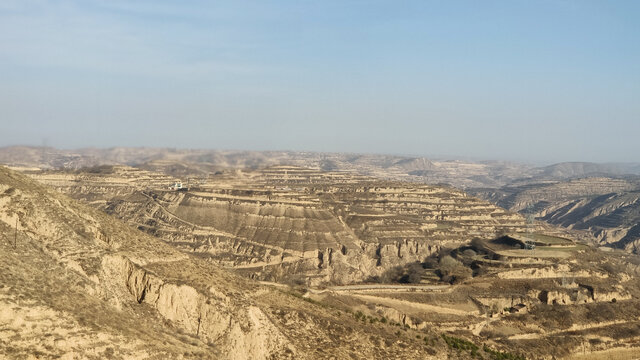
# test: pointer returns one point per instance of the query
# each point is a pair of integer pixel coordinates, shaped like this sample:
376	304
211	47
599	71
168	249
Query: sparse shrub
459	344
499	355
295	281
410	274
595	341
448	265
479	270
413	274
469	253
452	270
392	275
431	262
612	268
108	353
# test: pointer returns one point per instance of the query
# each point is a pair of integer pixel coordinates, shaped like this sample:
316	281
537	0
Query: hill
79	283
291	223
568	170
607	208
82	283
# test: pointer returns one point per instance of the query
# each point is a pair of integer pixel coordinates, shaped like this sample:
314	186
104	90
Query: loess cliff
288	223
77	283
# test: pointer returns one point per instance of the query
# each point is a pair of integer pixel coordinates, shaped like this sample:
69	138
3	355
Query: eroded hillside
607	208
77	283
541	296
290	222
522	295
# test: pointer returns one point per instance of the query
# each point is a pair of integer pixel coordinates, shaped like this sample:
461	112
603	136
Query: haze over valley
249	180
388	241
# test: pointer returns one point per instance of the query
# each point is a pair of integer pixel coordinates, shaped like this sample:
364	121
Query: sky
534	81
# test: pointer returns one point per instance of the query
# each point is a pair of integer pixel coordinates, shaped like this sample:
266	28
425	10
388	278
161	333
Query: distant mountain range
567	170
458	173
602	199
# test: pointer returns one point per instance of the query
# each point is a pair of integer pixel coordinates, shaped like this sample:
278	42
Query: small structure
529	245
176	186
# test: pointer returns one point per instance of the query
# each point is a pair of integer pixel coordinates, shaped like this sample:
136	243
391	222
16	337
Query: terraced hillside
556	300
292	222
77	283
523	295
608	208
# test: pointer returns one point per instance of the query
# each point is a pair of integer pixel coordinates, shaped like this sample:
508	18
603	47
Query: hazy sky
522	80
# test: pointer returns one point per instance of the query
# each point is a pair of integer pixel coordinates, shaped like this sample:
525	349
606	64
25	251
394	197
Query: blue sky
541	81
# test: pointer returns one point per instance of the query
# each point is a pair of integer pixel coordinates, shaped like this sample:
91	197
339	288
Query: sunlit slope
284	221
81	283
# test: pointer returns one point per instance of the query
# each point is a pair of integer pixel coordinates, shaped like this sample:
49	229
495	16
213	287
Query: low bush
499	355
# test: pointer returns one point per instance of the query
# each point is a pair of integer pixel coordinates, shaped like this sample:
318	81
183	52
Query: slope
290	222
79	283
607	208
